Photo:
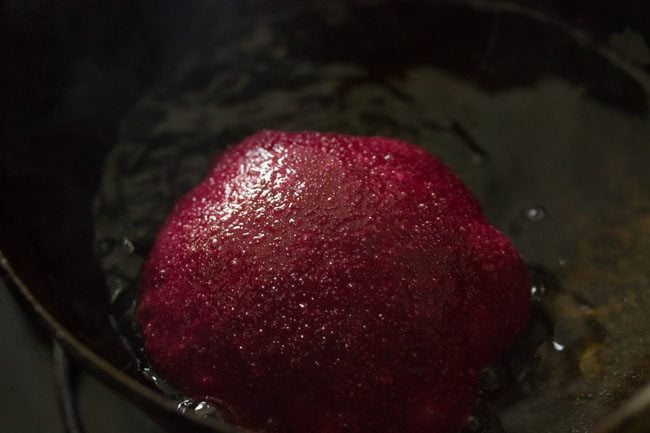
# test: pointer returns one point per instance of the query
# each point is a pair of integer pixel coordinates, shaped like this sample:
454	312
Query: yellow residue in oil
589	363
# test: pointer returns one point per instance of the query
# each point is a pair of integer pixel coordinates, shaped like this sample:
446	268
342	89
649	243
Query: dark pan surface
549	130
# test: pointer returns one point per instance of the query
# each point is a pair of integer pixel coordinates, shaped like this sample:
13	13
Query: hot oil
560	168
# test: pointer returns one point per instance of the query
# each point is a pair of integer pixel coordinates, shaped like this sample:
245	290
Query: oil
559	164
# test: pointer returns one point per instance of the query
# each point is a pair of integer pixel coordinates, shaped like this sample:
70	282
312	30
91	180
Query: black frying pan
111	110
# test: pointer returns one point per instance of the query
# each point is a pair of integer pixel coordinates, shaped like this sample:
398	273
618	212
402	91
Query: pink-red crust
324	283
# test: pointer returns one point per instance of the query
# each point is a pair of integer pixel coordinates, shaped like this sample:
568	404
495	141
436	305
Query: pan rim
97	365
